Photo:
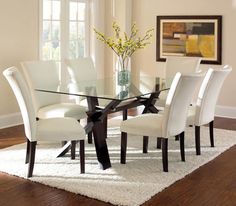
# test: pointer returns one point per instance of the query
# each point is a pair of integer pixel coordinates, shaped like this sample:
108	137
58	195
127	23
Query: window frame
64	29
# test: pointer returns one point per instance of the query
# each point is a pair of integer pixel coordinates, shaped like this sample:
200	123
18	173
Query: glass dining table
141	90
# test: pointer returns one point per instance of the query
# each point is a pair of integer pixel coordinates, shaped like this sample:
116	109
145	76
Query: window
64	27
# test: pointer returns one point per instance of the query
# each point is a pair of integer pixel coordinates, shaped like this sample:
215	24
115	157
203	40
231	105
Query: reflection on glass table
139	91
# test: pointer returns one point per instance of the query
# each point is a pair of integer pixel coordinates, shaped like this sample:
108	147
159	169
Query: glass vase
123	71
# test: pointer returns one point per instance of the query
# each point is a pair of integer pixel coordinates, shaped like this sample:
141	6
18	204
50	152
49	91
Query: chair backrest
81	69
209	93
178	101
22	93
40	74
184	65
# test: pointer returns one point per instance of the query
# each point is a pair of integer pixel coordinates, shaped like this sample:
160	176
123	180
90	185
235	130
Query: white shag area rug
130	184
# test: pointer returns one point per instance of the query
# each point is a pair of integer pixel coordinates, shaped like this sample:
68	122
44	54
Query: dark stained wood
12	136
16	191
225	123
82	156
123	147
182	151
164	147
90	134
197	140
158	143
212	184
211	133
145	144
31	158
27	152
72	149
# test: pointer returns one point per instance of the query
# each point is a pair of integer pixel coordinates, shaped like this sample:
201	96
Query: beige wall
19	37
145	12
18	42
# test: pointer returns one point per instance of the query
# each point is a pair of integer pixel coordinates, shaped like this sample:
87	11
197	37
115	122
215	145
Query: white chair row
41	124
172	121
203	111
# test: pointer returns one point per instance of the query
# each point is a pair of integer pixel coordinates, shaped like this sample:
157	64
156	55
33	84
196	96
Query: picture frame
198	36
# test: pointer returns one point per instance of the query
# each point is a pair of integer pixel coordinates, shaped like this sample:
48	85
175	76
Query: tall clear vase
123	71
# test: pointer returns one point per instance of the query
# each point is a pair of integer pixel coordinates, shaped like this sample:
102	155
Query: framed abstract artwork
199	36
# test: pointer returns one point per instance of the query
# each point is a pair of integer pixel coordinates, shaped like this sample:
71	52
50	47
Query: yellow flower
124	46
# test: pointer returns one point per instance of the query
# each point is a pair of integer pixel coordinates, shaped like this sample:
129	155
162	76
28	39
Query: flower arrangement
123	45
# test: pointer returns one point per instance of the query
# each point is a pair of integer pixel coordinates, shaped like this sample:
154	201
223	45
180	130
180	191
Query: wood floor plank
212	184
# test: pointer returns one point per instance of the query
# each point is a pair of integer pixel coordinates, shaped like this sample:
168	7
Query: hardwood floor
212	184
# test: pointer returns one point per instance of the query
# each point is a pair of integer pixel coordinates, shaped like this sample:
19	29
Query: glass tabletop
108	88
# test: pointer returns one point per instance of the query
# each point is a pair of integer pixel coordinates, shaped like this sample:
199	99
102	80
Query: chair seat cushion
58	129
62	110
145	125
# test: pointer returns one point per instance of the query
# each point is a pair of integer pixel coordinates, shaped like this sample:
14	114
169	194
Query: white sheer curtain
98	22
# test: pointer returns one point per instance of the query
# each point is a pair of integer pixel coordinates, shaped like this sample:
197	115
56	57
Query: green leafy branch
124	46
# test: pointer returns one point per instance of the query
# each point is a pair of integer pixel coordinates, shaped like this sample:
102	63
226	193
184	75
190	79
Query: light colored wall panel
145	12
18	42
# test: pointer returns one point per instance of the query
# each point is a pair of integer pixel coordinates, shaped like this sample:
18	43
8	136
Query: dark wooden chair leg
90	138
182	151
27	151
211	125
197	140
145	144
164	147
105	126
72	149
81	154
125	114
31	158
90	134
158	143
177	138
123	147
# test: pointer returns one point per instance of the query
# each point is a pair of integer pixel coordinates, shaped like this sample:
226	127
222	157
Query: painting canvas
198	36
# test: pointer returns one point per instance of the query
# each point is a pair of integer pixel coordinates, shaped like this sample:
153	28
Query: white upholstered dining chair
52	129
170	123
83	69
41	74
203	112
174	64
184	65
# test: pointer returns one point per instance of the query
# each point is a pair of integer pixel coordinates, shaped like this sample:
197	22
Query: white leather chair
170	123
184	65
204	111
83	69
174	64
46	73
52	129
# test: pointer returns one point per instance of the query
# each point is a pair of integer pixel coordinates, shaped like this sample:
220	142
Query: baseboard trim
10	120
227	112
